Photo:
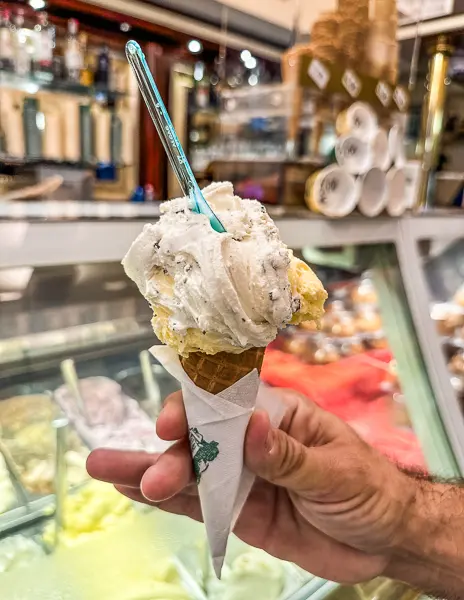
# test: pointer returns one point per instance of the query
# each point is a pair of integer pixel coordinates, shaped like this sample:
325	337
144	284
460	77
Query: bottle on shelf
6	42
22	58
149	193
115	138
58	64
86	73
44	45
33	134
102	73
73	52
86	134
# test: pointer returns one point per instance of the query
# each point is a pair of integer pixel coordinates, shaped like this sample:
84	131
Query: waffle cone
215	373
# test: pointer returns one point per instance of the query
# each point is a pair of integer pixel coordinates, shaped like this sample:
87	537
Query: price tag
352	83
383	93
401	98
319	74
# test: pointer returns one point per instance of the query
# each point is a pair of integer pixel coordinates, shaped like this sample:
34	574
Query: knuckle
290	458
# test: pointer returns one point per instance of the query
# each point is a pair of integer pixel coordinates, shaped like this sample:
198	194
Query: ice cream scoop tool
152	389
68	372
168	136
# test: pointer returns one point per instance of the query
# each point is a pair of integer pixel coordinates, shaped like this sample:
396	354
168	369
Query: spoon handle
168	135
160	117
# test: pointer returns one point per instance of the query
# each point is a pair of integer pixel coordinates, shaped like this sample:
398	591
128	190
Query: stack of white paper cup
332	192
363	177
397	201
359	120
373	193
396	145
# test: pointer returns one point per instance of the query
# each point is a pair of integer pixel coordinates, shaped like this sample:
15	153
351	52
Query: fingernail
146	496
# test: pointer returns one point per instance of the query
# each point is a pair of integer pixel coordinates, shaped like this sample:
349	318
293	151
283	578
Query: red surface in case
351	389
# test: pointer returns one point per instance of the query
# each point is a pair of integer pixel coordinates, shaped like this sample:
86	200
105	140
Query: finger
171	424
280	459
169	475
121	467
183	504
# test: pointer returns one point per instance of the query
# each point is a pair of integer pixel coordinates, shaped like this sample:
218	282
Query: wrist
430	549
406	548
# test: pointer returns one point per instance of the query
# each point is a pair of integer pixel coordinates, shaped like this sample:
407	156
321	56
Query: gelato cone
215	373
218	300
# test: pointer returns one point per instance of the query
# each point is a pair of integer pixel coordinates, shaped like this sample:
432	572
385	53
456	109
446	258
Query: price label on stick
401	98
352	83
383	93
319	74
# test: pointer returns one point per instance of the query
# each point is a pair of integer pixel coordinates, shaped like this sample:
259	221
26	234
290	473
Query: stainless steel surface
76	210
68	371
49	314
23	243
22	516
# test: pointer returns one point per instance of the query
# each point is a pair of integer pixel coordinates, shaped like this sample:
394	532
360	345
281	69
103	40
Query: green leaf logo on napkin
203	452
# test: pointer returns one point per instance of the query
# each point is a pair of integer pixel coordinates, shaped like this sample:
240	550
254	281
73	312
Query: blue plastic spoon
168	136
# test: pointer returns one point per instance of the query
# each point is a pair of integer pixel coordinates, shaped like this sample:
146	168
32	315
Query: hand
322	498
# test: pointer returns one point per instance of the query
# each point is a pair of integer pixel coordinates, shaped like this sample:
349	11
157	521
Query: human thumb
280	459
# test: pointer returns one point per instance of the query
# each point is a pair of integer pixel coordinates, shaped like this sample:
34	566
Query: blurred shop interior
345	118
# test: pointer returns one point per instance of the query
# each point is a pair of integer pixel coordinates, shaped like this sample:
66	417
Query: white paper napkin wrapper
217	426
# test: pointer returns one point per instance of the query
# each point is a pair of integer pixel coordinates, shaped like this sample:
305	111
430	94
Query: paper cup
359	120
397	201
373	194
396	146
332	192
381	150
354	154
217	426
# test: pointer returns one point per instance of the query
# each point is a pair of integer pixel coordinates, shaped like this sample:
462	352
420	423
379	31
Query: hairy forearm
430	555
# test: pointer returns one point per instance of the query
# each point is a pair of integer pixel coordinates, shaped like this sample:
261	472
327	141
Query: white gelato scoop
211	291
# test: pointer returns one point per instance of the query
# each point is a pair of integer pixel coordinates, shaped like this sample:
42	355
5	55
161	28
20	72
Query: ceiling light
195	47
251	62
37	4
245	55
125	27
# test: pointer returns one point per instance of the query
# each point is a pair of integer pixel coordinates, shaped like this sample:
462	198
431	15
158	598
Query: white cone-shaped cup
217	427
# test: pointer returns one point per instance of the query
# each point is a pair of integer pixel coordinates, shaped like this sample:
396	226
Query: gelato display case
74	337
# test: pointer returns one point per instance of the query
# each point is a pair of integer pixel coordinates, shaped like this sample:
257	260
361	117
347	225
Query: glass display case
75	375
444	270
